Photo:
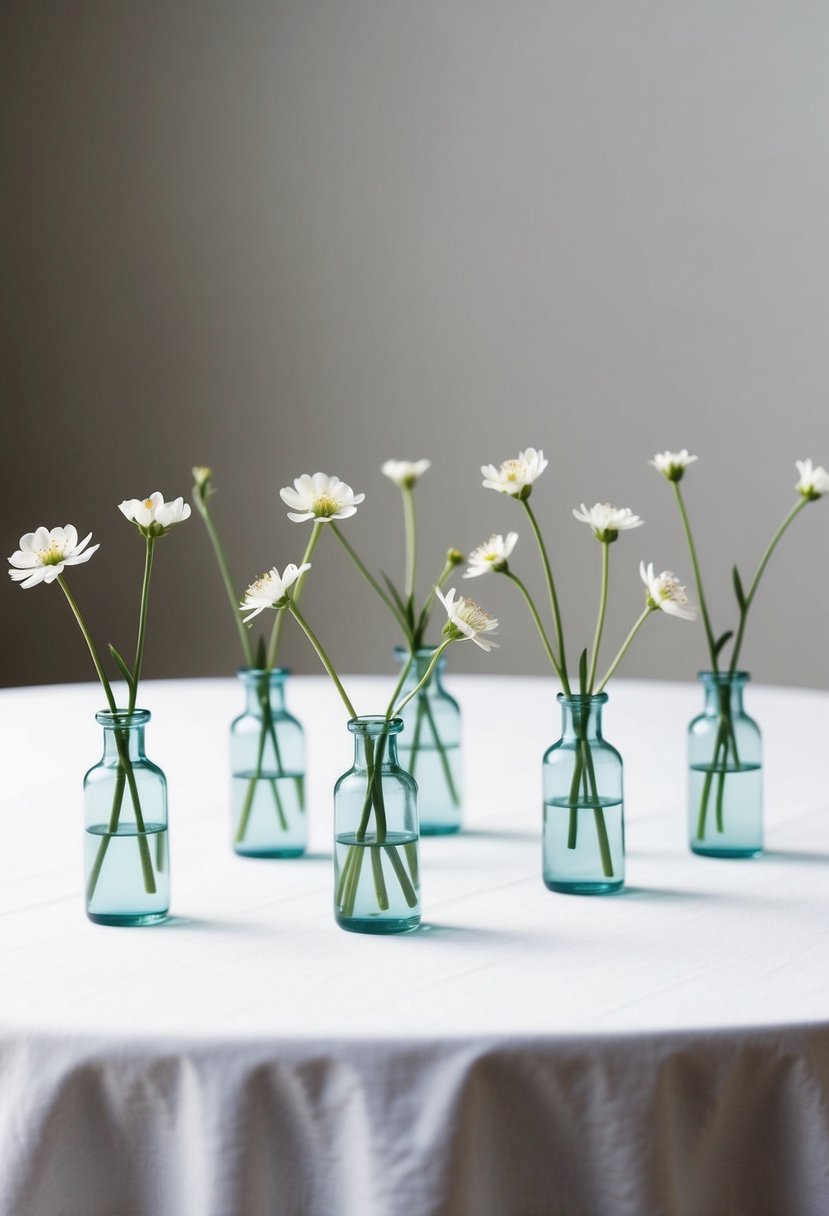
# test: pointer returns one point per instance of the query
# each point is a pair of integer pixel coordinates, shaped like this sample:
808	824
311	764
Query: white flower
666	592
672	464
43	555
320	498
270	590
606	521
405	473
515	477
467	620
153	516
493	555
814	482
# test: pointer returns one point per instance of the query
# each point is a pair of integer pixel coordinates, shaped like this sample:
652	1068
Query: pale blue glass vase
267	752
126	854
725	773
583	832
376	834
430	745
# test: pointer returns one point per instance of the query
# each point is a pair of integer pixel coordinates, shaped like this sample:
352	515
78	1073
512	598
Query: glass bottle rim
582	699
250	675
122	719
401	653
723	678
375	725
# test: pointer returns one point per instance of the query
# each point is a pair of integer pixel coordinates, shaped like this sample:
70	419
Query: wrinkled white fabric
665	1050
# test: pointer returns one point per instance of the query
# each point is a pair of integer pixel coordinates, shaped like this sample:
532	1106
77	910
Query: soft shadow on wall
277	238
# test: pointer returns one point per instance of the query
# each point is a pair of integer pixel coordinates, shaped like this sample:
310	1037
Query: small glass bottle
376	866
126	855
430	745
267	751
725	774
584	833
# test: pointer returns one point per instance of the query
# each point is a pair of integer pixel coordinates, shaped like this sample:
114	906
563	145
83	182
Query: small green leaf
122	667
720	642
738	588
398	599
583	672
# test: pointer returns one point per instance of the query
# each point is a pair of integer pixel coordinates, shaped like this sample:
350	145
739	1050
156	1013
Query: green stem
764	561
424	680
548	650
411	541
709	633
372	582
444	758
276	632
600	622
551	587
224	569
90	644
423	619
323	657
142	621
637	626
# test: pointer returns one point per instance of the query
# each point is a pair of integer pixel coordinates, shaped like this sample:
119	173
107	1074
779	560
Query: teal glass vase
430	745
126	854
583	831
376	835
267	753
725	773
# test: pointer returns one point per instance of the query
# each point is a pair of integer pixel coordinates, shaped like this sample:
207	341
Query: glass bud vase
376	834
430	745
267	752
725	775
583	832
126	856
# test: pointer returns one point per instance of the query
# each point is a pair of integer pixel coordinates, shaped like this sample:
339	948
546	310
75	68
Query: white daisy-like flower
467	620
44	554
405	473
320	498
515	477
672	465
606	521
666	593
153	516
814	482
270	590
492	555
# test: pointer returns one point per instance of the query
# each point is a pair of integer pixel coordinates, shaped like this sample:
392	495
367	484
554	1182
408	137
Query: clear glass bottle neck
121	738
264	689
420	665
581	717
375	741
723	691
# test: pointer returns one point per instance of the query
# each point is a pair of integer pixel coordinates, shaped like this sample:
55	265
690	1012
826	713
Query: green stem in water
548	650
706	620
224	569
372	581
276	632
551	587
764	561
597	641
323	657
637	626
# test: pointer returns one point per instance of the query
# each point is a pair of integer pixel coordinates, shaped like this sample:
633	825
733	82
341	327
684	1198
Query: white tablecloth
665	1050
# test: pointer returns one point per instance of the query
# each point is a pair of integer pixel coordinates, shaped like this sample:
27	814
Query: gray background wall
276	237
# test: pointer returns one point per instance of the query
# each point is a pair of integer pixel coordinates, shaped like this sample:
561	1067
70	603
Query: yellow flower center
511	469
52	556
148	503
324	506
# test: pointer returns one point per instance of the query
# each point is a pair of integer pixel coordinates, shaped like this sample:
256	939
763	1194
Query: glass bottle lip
375	725
251	675
723	678
401	653
122	719
582	699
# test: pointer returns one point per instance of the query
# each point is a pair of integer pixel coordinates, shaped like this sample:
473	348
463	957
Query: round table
663	1050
